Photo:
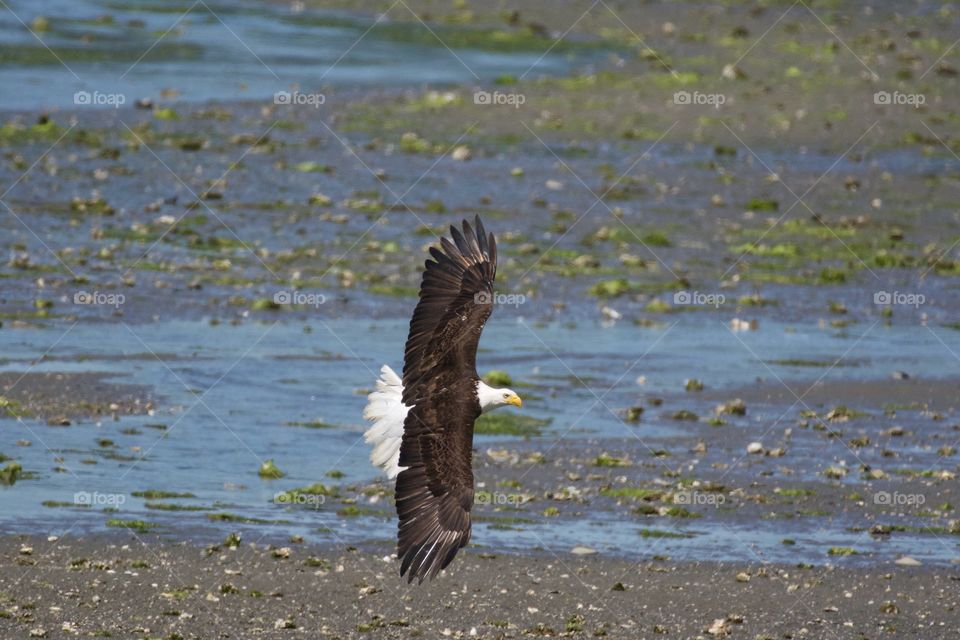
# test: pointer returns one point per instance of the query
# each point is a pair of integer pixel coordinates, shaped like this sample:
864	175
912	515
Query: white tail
386	410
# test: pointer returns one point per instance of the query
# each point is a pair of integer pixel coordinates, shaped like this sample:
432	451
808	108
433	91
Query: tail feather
389	378
386	410
384	452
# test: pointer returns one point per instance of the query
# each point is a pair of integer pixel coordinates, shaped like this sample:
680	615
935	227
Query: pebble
611	313
907	561
718	628
754	447
834	472
733	72
736	407
738	324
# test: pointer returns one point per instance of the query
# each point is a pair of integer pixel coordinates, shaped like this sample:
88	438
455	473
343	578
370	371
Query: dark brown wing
455	301
435	490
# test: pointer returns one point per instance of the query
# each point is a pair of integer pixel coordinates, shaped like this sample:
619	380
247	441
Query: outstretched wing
435	490
455	301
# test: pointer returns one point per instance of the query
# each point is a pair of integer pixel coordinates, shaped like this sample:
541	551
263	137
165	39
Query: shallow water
722	540
228	398
225	51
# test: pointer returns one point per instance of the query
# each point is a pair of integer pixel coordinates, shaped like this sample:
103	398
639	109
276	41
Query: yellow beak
515	400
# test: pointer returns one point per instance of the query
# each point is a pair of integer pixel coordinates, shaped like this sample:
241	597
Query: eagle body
386	410
423	421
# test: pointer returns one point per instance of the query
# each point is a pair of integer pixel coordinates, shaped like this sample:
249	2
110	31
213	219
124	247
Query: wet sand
58	397
125	588
926	392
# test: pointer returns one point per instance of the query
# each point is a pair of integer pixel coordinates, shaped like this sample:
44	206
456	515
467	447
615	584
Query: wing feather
434	493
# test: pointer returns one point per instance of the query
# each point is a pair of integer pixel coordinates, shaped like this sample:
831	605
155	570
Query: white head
491	398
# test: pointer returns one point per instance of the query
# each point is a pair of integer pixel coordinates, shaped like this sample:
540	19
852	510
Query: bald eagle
423	424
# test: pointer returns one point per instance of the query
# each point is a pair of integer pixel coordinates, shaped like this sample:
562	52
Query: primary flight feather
423	423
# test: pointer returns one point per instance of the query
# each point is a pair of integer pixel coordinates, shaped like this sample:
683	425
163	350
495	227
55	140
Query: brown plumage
434	492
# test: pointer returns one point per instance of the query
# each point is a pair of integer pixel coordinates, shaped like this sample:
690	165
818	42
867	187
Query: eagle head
491	398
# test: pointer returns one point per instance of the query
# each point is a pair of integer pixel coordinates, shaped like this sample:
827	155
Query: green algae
509	424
